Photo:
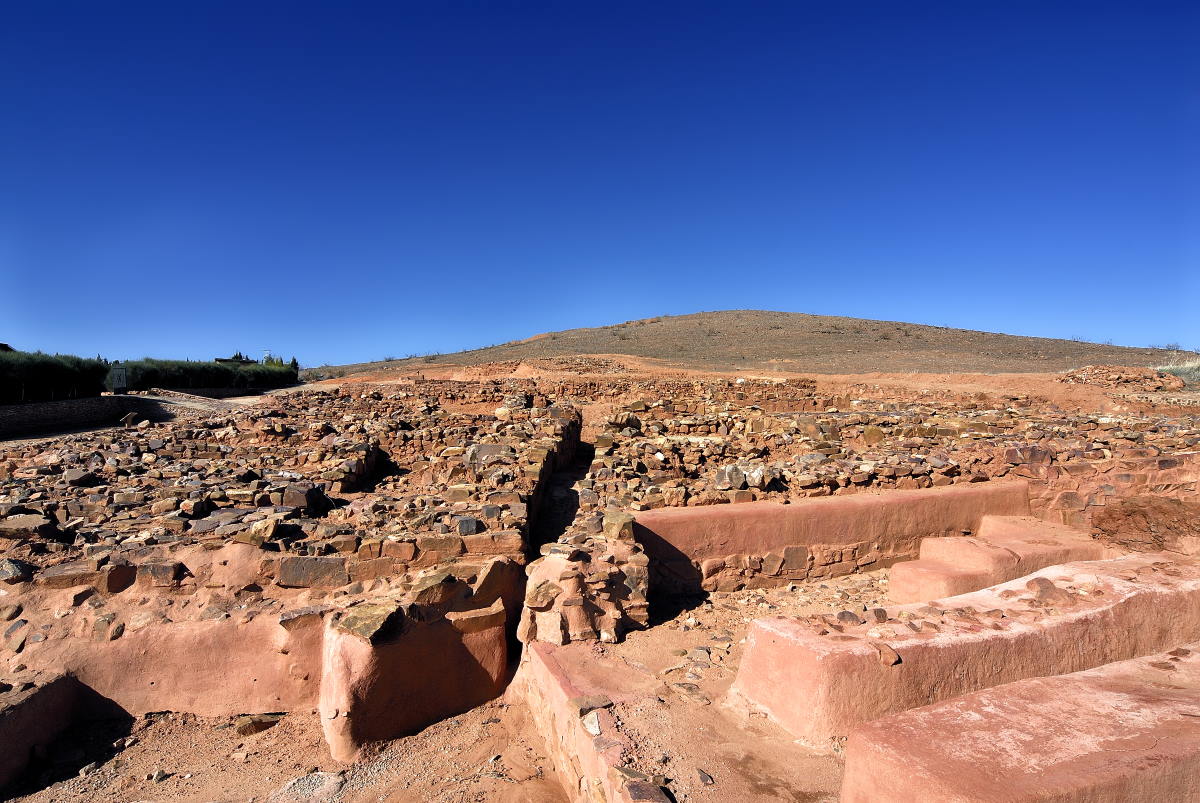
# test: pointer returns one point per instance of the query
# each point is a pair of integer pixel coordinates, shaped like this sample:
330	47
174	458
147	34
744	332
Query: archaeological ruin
689	588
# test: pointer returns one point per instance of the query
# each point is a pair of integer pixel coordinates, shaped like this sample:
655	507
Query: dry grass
1186	368
733	340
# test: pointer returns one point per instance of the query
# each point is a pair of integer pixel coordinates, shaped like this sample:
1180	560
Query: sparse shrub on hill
1188	371
323	372
27	376
733	339
184	374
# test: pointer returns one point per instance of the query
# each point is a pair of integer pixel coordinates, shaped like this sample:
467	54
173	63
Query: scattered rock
250	724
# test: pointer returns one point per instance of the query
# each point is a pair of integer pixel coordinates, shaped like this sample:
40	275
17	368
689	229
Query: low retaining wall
758	544
372	679
1122	733
587	764
213	668
820	679
219	393
24	420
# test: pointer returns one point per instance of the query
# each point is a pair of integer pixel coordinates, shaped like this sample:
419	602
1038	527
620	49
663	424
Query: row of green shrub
27	376
183	375
33	376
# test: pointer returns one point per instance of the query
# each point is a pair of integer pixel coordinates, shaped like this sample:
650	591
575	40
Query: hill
736	340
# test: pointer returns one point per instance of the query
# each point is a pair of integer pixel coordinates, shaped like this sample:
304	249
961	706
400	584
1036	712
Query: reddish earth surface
608	578
485	754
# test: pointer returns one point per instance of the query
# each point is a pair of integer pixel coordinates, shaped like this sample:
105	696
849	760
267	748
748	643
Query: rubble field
581	582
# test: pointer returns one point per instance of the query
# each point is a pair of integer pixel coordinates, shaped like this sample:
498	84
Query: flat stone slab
1127	732
821	677
25	526
306	572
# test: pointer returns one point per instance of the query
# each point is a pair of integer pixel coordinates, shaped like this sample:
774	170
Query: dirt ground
487	754
679	721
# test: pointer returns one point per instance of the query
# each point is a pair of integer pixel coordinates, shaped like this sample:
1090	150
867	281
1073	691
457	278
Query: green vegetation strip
36	377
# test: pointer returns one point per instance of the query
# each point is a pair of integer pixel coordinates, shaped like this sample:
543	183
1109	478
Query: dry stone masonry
380	556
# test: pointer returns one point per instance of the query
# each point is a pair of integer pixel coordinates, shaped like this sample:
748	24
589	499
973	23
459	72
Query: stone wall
23	420
587	749
1072	493
211	393
762	544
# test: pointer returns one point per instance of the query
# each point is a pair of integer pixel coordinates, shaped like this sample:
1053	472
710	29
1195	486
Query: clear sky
346	180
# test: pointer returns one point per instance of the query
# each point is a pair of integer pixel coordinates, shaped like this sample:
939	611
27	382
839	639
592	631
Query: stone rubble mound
1122	377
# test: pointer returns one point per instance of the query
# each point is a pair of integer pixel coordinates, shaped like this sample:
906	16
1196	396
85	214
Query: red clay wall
220	667
583	762
211	668
767	543
370	693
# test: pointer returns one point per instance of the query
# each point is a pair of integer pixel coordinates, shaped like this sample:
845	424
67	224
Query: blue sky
345	181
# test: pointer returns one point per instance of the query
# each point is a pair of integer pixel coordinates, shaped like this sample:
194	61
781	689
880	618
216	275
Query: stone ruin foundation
384	557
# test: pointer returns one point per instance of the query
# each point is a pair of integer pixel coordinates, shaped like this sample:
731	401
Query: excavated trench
556	507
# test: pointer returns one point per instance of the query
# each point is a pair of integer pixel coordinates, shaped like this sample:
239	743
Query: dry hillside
791	341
